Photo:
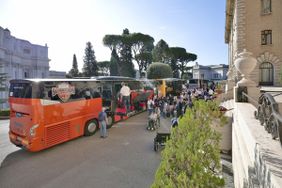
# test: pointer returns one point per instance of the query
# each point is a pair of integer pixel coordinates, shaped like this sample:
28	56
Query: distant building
210	72
21	59
57	74
256	27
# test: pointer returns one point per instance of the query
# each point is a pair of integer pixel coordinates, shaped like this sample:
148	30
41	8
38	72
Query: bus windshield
20	90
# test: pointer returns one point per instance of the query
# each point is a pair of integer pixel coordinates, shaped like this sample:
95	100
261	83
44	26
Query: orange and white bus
47	112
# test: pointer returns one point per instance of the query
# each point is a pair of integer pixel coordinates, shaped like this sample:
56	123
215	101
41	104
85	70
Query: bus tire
91	127
110	121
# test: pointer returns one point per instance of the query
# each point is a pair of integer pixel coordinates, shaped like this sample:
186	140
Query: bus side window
107	94
50	97
87	94
95	94
41	94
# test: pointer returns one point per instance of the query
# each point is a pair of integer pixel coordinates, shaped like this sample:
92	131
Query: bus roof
98	78
118	78
169	79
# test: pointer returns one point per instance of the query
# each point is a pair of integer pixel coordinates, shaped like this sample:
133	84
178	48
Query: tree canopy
122	44
180	59
114	65
142	46
159	70
74	72
160	52
127	67
104	68
90	67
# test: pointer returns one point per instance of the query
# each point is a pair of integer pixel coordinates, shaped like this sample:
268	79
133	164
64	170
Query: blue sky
66	25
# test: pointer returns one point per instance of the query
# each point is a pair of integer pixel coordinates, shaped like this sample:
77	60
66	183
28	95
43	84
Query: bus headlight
32	130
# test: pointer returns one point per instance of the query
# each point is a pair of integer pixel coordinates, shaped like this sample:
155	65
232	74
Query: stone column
245	64
229	85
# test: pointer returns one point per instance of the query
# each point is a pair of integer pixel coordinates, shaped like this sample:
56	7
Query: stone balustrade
256	157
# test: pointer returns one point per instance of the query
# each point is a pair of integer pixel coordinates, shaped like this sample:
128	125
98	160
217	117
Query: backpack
101	116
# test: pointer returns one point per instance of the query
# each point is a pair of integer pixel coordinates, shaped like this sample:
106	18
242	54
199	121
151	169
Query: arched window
266	73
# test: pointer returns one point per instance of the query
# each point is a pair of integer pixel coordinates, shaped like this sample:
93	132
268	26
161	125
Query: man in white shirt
125	94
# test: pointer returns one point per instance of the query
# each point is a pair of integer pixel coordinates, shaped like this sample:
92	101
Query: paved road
124	159
5	146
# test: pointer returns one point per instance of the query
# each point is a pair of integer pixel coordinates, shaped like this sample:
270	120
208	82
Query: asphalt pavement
124	159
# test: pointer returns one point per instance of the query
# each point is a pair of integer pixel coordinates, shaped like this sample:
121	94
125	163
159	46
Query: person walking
150	106
103	121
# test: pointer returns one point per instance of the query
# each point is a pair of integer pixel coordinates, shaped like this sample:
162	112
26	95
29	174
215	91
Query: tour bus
167	86
47	112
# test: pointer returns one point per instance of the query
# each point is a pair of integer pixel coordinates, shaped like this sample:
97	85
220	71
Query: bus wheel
91	127
110	121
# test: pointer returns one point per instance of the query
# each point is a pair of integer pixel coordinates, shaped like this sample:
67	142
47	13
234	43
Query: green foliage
4	112
127	67
179	60
90	67
159	70
112	41
122	46
161	52
187	76
191	157
74	72
104	68
142	46
114	66
144	59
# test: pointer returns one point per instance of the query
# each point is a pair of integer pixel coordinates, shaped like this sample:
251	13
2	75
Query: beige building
257	27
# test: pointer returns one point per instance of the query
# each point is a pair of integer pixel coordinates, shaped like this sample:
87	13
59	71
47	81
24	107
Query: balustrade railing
268	115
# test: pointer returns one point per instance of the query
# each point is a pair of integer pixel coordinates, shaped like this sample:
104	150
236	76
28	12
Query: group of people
167	107
174	107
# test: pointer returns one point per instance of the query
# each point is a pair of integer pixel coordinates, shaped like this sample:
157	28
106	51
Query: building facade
20	59
57	74
256	27
211	72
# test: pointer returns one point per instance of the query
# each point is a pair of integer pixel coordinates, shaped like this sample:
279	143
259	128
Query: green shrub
191	157
4	112
158	71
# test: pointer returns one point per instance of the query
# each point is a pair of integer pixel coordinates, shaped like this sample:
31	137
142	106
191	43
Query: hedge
191	158
4	112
